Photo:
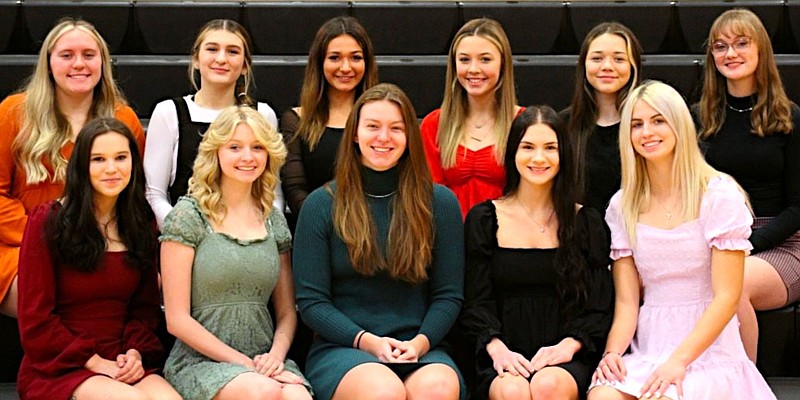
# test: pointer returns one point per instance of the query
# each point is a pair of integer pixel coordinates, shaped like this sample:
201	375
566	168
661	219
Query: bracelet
358	339
609	352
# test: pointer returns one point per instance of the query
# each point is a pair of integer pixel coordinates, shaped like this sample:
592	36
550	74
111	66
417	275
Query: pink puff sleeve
727	220
620	243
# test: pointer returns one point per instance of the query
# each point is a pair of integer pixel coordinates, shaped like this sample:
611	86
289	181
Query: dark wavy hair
571	265
74	233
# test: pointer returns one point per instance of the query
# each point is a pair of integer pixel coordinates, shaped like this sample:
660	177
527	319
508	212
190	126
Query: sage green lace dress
232	281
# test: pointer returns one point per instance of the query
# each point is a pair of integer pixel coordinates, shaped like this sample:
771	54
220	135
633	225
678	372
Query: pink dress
675	270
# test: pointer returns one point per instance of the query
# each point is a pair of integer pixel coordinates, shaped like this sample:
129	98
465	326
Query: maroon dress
66	316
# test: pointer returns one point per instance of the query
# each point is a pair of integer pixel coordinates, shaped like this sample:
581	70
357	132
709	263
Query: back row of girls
479	93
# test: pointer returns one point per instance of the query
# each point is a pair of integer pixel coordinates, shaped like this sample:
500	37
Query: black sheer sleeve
479	316
592	324
293	173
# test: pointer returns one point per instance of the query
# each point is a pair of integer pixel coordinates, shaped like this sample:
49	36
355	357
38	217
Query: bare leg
157	388
510	387
9	304
762	289
370	381
250	385
553	383
609	393
433	382
101	387
295	392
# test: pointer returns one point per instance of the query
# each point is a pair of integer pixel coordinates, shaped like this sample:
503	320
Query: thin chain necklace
739	110
530	215
479	126
669	212
381	196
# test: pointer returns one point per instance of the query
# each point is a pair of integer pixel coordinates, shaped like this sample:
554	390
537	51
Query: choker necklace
739	110
530	215
381	196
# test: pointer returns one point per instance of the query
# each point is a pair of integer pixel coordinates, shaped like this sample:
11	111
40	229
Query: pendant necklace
739	110
669	212
530	215
479	126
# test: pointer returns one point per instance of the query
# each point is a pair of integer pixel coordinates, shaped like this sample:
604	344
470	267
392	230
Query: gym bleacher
150	41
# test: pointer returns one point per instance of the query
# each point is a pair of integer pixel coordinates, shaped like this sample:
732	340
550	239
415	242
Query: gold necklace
669	212
530	215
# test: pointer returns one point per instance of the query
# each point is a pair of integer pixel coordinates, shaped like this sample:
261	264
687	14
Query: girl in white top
222	61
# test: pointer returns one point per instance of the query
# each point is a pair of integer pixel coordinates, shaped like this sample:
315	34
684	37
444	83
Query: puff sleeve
727	220
620	242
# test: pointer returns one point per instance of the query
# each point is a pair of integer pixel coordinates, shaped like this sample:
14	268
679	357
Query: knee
508	388
295	392
170	395
441	384
389	391
267	391
548	387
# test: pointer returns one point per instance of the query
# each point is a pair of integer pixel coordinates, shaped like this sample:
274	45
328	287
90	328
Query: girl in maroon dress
88	288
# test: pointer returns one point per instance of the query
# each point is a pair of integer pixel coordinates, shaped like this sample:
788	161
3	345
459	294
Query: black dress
511	294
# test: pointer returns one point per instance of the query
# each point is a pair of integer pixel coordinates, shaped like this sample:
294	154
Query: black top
511	293
768	168
603	166
306	170
190	134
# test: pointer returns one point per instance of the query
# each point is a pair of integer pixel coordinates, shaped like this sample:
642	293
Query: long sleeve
45	339
12	212
312	267
159	157
787	222
479	317
430	129
143	320
446	290
592	324
293	174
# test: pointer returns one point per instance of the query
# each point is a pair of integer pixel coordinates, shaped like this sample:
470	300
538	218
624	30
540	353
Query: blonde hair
204	185
690	172
242	89
772	112
454	105
44	128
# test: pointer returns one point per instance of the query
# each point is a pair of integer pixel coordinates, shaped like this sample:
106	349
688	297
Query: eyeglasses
740	44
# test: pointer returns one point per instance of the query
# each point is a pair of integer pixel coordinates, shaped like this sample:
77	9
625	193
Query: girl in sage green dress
225	252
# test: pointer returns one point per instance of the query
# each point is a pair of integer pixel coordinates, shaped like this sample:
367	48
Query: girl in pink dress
465	139
679	232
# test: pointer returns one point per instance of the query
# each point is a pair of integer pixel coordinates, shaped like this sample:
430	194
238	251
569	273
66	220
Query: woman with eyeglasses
747	126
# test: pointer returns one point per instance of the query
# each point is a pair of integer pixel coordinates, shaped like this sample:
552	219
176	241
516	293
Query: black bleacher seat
414	28
545	80
793	11
778	355
696	18
146	80
789	67
110	18
683	72
15	71
12	349
8	13
421	78
531	27
171	27
288	28
649	21
278	81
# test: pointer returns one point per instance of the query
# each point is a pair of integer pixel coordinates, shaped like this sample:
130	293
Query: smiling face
344	64
381	135
537	158
651	136
608	68
243	158
736	58
220	58
76	63
478	66
110	165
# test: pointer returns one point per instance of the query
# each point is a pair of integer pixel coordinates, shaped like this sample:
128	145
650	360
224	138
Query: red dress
66	316
476	177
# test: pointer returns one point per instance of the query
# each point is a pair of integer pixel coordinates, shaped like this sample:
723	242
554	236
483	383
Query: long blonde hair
44	128
772	112
204	185
690	172
409	249
454	105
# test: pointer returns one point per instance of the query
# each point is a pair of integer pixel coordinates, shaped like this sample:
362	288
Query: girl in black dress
538	292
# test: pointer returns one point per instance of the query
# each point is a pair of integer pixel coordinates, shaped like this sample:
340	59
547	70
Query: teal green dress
232	281
337	302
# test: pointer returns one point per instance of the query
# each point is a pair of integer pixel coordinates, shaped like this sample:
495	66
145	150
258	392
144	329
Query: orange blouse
17	198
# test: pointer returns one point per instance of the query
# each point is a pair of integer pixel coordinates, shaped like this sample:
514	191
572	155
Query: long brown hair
772	112
454	105
314	94
411	231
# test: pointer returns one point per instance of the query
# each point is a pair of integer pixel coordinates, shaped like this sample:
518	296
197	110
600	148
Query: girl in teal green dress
225	253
